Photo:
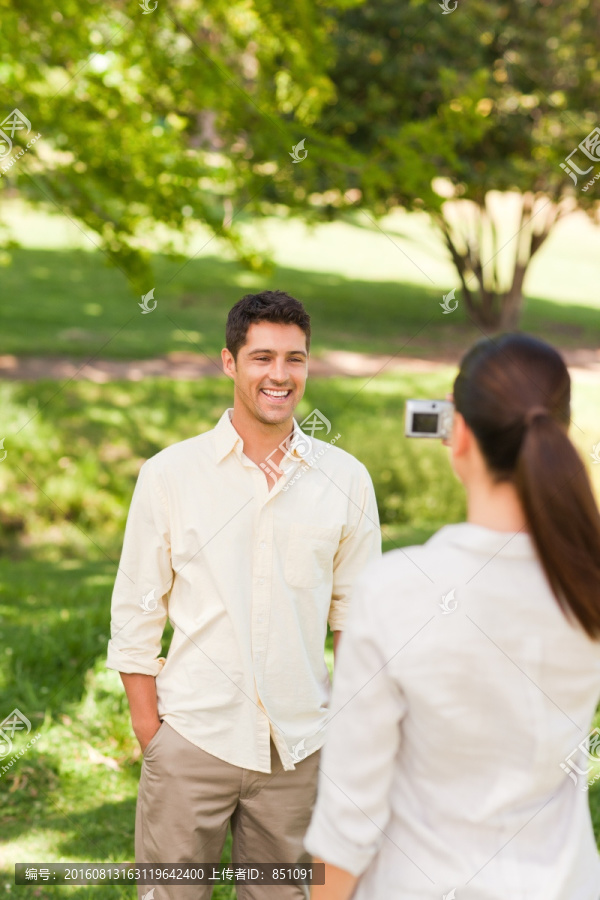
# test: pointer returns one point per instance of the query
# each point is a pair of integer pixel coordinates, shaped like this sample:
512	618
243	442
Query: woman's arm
353	805
339	884
336	639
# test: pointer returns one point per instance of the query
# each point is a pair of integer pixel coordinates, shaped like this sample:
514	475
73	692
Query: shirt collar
226	438
487	541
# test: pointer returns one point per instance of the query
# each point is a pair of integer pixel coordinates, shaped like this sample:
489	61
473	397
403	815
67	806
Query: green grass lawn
66	484
73	454
368	288
74	450
69	302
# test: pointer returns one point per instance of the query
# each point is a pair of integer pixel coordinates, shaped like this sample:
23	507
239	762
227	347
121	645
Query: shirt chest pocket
309	555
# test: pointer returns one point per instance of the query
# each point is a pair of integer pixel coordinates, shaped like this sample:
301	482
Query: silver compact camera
429	418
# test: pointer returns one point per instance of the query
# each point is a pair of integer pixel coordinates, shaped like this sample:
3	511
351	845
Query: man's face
270	371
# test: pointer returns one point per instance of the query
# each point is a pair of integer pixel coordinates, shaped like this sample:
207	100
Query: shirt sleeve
143	582
357	548
363	737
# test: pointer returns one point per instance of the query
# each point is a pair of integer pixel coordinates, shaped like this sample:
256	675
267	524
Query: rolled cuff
324	841
132	665
338	613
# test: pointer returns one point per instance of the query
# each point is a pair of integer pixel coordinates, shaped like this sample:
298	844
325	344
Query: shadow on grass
70	302
56	620
101	832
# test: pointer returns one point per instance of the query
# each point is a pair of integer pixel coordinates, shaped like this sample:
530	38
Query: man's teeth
275	393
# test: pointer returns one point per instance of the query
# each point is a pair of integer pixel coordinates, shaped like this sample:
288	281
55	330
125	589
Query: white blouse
461	695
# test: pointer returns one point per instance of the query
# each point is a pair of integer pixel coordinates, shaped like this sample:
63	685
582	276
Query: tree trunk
498	311
512	307
487	304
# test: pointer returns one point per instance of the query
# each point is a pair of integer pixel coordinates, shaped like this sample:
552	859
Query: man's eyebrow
290	352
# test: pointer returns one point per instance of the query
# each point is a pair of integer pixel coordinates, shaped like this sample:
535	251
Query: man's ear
228	362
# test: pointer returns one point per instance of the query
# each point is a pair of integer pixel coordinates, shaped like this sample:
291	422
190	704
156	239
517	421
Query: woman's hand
447	442
339	884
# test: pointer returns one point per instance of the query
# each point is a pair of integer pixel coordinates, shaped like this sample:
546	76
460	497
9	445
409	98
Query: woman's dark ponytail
514	394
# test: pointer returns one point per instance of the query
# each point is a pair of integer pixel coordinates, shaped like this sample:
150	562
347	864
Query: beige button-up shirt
249	578
455	761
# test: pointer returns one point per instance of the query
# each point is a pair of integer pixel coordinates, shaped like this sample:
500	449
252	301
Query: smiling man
249	562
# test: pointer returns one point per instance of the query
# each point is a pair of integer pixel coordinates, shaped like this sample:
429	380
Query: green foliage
74	455
158	118
70	797
70	302
448	109
490	97
185	116
413	481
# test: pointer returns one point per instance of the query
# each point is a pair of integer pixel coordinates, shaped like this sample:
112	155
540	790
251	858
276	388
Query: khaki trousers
187	798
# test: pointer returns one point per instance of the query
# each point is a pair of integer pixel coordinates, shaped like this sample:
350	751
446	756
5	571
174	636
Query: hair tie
535	412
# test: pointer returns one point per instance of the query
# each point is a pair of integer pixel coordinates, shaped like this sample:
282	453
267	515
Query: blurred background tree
190	115
172	117
449	112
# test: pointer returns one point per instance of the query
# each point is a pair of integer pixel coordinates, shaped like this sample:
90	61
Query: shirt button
261	580
262	545
259	620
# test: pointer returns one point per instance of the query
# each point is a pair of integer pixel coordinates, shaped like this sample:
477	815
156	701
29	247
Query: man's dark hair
268	306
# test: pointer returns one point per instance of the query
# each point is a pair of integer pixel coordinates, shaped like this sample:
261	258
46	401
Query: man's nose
279	371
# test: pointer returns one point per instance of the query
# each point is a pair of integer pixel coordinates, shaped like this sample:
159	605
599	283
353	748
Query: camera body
429	418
